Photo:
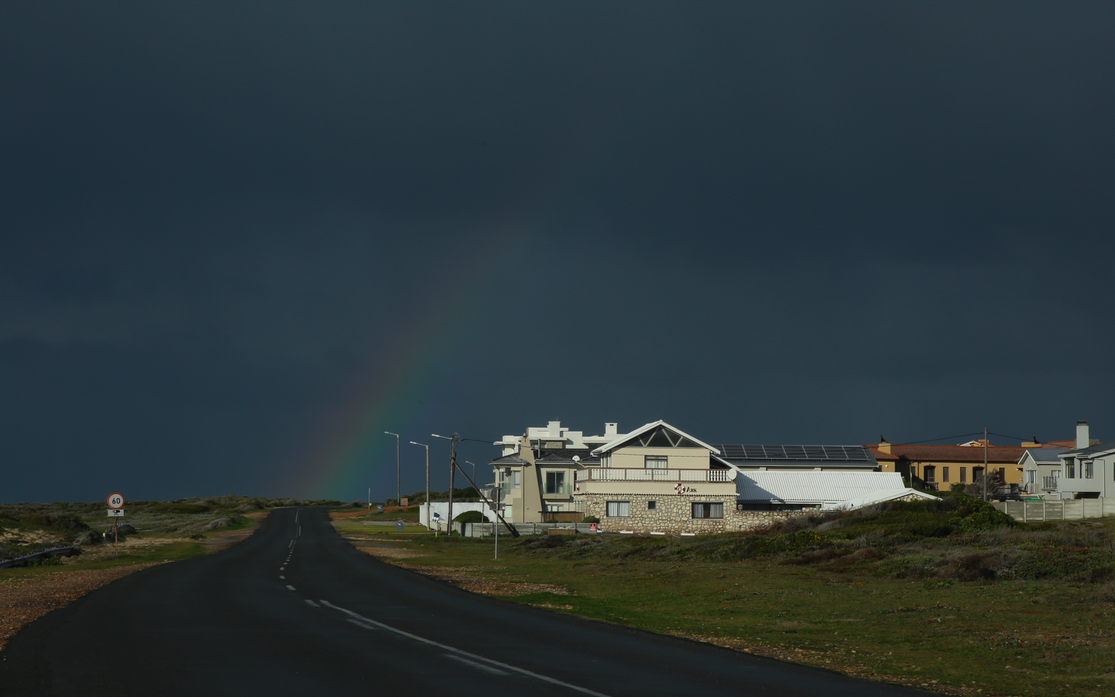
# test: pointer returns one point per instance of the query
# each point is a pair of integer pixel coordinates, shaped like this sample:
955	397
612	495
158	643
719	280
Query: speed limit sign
116	501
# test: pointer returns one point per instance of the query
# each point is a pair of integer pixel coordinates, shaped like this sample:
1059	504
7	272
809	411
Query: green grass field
934	601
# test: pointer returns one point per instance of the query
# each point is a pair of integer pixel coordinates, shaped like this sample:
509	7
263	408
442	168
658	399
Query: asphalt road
296	610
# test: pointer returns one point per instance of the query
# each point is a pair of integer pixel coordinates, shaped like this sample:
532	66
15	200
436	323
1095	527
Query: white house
1087	472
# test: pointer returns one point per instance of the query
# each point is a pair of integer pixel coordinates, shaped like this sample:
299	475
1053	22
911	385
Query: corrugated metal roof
813	487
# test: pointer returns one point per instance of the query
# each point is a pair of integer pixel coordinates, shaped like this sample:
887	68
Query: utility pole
398	471
429	510
985	463
452	471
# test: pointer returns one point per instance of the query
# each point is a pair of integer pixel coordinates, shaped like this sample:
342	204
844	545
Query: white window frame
660	462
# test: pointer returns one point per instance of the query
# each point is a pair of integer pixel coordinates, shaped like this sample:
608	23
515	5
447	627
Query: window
619	509
963	474
944	474
651	505
516	479
1070	468
656	462
1031	476
555	483
708	510
1087	467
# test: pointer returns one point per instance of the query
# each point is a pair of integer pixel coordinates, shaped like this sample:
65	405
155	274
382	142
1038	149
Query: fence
486	529
1067	509
616	474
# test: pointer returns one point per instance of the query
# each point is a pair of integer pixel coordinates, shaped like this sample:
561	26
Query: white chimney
555	429
1082	440
611	429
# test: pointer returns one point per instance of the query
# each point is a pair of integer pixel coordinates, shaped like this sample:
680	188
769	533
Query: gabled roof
1042	456
512	459
648	429
1091	451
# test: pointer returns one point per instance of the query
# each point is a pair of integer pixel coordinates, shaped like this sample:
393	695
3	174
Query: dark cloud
226	223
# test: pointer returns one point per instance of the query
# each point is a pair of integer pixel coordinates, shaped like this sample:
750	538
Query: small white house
1088	472
1041	467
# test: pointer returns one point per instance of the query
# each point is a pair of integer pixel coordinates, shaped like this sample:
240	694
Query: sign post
495	498
115	511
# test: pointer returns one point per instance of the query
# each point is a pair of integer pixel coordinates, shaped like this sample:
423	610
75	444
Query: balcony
611	474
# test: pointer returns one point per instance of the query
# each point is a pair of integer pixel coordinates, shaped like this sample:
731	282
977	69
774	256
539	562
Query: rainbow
340	463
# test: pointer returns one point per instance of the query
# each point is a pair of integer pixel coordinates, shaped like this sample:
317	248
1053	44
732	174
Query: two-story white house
1088	471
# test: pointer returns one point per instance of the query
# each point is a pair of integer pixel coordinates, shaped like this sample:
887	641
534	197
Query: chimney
555	429
1082	435
611	429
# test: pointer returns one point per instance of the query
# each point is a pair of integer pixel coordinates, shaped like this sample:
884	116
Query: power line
931	440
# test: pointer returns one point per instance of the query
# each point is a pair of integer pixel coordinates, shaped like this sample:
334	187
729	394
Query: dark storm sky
242	239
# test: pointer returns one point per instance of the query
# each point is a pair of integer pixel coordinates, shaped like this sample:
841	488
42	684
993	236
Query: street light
452	471
428	507
398	471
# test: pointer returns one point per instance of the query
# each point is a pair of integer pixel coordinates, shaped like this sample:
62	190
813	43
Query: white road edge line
311	603
474	664
461	652
290	588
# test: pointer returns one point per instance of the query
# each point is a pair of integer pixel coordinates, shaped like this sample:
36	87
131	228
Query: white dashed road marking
458	653
290	588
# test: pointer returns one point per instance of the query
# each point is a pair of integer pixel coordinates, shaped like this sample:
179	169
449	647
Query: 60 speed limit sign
116	501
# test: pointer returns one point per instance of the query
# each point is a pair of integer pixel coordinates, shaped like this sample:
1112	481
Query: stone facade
673	514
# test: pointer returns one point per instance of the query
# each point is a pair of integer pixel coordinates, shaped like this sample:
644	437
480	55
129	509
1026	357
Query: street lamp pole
452	471
398	471
428	507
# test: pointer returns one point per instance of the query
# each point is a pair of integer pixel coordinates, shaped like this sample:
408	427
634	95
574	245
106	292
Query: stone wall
673	514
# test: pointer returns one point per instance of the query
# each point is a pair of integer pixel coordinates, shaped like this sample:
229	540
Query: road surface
296	610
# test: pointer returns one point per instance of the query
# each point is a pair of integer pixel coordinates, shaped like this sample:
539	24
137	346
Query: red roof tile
958	453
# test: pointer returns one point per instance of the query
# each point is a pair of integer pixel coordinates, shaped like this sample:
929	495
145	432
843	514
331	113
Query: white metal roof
816	487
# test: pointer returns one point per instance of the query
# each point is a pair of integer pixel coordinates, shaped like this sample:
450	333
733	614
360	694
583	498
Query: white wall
459	507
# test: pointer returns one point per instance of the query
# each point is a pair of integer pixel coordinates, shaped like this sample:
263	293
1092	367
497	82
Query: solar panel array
853	453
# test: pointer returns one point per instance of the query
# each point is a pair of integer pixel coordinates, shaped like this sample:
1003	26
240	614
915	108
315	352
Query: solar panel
795	452
856	453
842	453
733	451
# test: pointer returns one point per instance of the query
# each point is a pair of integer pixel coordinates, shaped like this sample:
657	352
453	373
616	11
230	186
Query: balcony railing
615	474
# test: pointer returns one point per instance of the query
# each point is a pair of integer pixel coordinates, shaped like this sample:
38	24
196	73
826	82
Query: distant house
941	466
1088	471
1040	469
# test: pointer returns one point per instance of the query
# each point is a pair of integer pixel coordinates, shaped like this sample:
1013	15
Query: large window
963	474
944	474
708	510
656	462
1087	467
555	483
1070	468
619	509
